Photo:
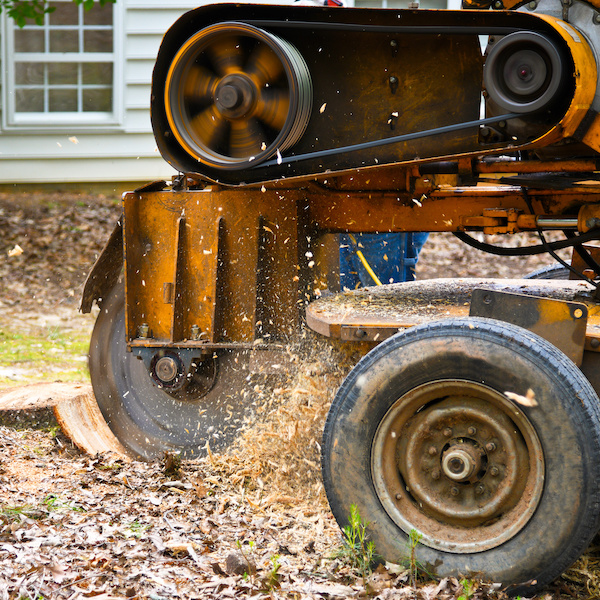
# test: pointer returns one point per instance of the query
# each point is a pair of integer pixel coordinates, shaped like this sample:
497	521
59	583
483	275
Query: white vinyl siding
105	146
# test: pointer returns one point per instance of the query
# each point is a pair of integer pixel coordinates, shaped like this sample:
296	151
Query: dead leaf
527	400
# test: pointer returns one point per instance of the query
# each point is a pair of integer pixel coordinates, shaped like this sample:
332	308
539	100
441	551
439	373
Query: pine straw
280	454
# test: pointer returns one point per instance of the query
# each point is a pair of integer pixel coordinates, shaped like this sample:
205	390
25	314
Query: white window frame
62	121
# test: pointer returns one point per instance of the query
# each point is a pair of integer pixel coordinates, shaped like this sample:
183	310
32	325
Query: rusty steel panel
375	313
560	322
210	265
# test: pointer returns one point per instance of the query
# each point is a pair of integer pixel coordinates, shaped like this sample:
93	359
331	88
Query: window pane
96	73
97	100
29	100
64	41
29	40
66	13
99	40
29	73
62	73
62	100
98	15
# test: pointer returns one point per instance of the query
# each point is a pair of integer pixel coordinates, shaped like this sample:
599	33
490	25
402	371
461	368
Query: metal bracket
560	322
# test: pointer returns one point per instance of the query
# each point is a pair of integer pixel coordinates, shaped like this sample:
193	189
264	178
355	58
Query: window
64	72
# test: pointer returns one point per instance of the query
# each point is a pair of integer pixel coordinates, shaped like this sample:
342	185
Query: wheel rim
459	463
235	95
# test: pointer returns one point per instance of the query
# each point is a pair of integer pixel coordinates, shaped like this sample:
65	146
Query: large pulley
236	95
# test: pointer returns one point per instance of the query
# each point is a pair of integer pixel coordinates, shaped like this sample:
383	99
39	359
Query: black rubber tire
556	271
503	357
147	420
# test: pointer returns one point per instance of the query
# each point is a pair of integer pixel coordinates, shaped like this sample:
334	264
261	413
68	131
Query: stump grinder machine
473	418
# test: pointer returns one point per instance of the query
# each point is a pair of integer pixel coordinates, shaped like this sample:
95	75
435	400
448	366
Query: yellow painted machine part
586	77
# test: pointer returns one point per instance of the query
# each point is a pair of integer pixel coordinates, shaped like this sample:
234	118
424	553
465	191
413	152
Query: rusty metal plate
560	322
374	314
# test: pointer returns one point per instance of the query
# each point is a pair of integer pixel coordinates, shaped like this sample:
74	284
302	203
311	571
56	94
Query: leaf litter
250	523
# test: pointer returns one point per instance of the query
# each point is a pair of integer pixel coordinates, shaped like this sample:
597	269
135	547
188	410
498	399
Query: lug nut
472	430
494	471
447	432
479	489
398	496
432	451
454	491
435	474
490	446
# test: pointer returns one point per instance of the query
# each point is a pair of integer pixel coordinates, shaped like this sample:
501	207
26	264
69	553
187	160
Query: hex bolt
494	471
398	496
490	446
479	489
472	430
447	432
435	474
432	451
143	331
454	490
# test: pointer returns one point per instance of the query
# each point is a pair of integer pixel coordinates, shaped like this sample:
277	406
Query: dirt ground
250	524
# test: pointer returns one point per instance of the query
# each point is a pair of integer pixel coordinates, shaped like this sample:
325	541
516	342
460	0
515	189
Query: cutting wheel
237	95
146	419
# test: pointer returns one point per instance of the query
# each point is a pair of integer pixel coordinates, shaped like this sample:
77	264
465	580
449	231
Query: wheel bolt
454	491
398	496
447	432
432	451
479	489
435	474
490	446
472	430
494	471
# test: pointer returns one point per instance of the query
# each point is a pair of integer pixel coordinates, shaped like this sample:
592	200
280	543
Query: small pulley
237	95
524	72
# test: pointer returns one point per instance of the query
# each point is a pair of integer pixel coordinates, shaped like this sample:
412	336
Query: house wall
126	152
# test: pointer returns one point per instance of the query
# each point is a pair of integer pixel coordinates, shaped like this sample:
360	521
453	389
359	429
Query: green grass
42	354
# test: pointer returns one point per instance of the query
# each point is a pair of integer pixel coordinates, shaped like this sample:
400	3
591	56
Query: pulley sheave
524	72
235	95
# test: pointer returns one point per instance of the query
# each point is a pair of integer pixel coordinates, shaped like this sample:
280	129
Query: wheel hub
461	462
235	96
457	457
